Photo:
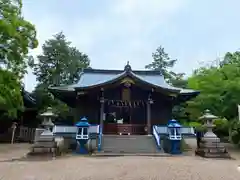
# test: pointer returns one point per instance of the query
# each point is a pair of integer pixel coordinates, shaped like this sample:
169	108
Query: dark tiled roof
98	77
92	77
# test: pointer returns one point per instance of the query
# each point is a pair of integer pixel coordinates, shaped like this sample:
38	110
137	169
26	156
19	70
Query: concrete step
129	144
104	154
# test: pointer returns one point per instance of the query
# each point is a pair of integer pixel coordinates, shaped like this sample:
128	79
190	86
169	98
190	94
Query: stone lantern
210	145
209	120
48	116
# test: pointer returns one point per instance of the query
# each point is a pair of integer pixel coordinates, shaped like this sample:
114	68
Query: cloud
139	10
110	37
113	32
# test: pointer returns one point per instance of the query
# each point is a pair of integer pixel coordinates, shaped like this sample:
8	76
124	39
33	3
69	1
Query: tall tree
178	80
17	36
60	63
231	58
162	62
10	94
219	86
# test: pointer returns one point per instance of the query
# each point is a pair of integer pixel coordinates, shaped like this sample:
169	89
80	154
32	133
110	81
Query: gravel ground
116	168
127	168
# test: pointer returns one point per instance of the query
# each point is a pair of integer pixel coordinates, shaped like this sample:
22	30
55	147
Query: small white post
238	112
14	126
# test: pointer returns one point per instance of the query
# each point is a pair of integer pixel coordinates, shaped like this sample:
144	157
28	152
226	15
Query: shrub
195	124
198	126
235	132
221	128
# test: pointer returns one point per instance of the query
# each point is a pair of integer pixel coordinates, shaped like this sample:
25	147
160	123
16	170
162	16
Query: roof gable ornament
127	68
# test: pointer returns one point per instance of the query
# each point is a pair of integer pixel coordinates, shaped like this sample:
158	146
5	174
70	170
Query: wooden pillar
148	118
76	114
101	108
149	102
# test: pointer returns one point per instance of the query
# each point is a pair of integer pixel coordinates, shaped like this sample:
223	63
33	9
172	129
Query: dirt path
115	168
12	151
118	168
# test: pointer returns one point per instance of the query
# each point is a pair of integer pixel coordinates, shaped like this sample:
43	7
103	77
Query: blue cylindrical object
82	136
175	147
172	146
81	147
173	141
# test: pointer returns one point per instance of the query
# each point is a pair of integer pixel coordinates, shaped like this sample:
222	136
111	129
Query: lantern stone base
212	149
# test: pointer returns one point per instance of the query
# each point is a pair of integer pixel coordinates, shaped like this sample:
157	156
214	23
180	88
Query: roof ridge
88	70
114	71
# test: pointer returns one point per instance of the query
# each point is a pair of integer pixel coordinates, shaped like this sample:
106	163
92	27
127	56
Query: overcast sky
112	32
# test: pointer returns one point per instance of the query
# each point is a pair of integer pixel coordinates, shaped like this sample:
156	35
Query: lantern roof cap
174	124
48	113
207	115
83	122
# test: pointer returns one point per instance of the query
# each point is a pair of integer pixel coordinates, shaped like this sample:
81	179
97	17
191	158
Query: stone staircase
129	144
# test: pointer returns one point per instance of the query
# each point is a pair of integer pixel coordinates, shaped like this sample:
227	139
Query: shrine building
123	101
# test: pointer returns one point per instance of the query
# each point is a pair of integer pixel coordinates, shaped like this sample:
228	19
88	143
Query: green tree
231	58
44	99
60	63
178	80
235	132
220	92
10	94
219	86
162	62
17	36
